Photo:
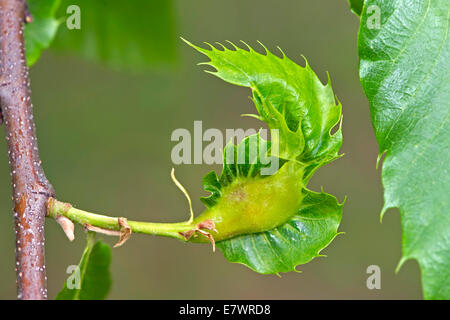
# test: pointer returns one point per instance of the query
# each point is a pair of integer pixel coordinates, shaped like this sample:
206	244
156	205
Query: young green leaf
404	70
288	97
133	35
94	276
40	32
264	216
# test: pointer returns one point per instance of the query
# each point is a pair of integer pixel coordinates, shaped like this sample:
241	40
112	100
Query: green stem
57	208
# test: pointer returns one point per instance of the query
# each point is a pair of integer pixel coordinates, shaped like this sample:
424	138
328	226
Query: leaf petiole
56	208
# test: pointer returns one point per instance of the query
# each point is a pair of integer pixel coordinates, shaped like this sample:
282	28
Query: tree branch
31	188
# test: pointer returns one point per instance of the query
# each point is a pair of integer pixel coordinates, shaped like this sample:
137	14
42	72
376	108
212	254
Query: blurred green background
104	139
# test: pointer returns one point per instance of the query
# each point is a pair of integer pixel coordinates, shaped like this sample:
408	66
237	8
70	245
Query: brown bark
31	188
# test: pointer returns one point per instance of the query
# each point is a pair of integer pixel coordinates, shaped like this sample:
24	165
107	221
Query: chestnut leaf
404	70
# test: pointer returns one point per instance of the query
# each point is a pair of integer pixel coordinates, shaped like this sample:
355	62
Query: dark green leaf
404	70
95	278
41	31
132	35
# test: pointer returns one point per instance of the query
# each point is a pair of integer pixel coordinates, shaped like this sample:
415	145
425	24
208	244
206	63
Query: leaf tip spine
400	264
235	47
379	158
282	52
265	48
250	49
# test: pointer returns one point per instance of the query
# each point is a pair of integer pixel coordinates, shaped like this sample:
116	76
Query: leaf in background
292	99
95	278
41	31
356	6
131	35
404	70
